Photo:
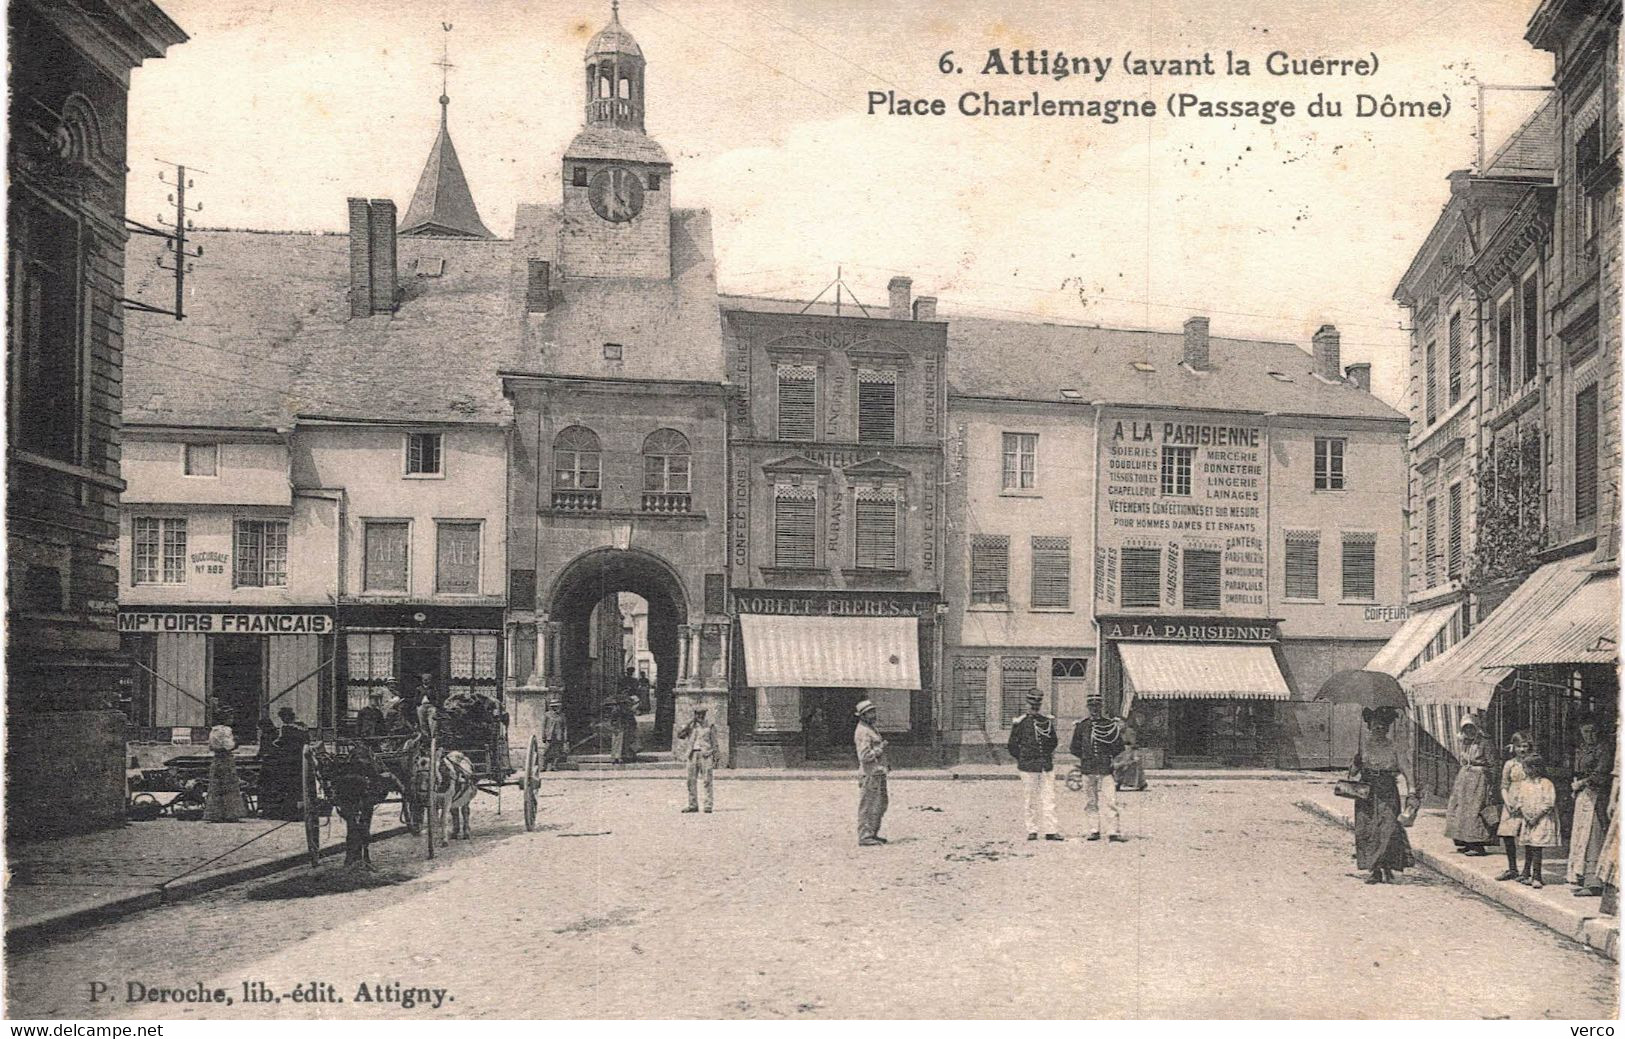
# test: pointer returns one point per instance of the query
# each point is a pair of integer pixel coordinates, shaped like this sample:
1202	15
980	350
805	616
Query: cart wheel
313	818
431	779
533	768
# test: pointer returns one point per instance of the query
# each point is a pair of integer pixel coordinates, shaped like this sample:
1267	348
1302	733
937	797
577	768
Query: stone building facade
70	80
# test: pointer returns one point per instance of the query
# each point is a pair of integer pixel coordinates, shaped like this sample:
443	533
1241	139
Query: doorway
827	721
237	681
423	658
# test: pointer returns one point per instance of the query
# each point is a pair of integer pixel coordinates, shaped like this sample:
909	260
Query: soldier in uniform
1032	744
1096	741
871	750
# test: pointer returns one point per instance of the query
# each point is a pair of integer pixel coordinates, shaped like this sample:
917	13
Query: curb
763	775
1598	933
62	922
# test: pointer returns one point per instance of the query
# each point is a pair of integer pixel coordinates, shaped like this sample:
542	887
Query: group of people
280	760
1100	742
1517	804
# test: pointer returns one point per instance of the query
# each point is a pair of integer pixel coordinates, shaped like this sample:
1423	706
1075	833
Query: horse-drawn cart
420	770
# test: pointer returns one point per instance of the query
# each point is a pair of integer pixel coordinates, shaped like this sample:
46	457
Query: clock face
616	194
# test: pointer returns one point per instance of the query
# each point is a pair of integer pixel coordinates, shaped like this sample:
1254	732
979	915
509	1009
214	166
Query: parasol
1366	688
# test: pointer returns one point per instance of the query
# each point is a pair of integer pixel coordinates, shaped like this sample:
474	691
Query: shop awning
1187	671
1468	672
843	652
1410	640
1583	630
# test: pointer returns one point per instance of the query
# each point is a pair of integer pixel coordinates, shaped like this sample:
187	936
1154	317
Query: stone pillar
684	660
528	702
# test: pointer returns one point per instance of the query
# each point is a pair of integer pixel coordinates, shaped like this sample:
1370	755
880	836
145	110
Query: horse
453	793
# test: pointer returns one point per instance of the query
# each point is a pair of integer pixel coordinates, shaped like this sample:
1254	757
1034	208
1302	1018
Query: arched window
626	88
666	463
577	462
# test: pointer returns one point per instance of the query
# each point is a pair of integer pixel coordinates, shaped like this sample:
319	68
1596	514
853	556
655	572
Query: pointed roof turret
443	204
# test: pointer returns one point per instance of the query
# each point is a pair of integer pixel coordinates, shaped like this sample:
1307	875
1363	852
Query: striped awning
842	652
1468	672
1583	630
1410	640
1202	671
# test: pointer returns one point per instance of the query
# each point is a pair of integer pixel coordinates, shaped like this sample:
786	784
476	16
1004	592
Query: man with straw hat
871	775
555	735
1032	744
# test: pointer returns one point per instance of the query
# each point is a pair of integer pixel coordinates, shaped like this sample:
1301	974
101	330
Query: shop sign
829	606
193	622
1180	629
1387	613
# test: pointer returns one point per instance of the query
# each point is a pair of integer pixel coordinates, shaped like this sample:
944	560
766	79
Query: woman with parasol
1380	843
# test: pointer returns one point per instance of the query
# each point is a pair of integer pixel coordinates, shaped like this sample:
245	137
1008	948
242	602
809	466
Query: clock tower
617	181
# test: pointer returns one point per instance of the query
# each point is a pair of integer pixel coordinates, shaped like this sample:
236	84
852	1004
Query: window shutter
877	407
1503	350
795	528
1360	566
970	693
1017	677
1430	357
1052	573
876	531
1201	586
1430	543
990	569
797	401
1453	517
1531	329
1302	564
1585	454
1141	580
1454	359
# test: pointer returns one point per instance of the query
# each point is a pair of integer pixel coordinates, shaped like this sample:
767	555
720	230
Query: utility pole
175	243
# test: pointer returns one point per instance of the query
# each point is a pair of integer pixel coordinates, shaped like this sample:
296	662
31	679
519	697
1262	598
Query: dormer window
424	456
202	460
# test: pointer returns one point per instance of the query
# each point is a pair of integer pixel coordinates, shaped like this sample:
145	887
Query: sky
288	107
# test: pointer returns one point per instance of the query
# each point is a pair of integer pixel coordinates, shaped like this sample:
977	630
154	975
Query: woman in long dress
1473	796
223	801
1590	785
1380	844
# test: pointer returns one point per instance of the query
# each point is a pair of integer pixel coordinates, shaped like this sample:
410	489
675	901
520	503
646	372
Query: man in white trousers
1096	742
1032	744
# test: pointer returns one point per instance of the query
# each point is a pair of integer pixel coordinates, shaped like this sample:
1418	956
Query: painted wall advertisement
1193	493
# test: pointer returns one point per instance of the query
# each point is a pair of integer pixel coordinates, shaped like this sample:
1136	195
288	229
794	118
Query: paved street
1229	901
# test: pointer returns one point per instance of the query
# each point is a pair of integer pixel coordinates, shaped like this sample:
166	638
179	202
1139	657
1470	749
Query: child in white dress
1537	807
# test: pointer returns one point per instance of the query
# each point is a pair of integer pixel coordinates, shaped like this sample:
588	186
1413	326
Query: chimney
925	308
1328	353
384	280
899	288
360	259
1360	376
1196	354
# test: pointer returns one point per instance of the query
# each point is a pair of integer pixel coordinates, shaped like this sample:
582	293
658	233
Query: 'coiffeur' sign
163	621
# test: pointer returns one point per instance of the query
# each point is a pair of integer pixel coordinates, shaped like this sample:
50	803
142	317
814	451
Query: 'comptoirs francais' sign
194	622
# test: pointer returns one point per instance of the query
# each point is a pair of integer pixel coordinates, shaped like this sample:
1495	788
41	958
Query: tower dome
614	77
613	38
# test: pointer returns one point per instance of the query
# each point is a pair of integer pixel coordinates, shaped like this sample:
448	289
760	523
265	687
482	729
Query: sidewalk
665	770
73	882
1552	906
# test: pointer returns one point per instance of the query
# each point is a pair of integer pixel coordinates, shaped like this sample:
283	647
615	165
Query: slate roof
613	39
443	204
1032	360
1531	151
613	142
669	328
268	333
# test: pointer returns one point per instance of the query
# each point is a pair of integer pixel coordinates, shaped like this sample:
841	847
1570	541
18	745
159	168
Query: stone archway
595	579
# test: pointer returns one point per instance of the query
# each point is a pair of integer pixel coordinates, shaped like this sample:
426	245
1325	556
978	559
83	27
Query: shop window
1052	573
876	528
158	550
369	665
1141	580
798	394
1201	579
1360	567
1531	328
989	570
1431	382
795	527
1329	463
1453	358
1018	676
1302	564
1020	461
1430	543
387	555
47	361
877	407
474	663
457	558
262	554
1453	520
202	460
1585	455
1176	470
1504	352
778	709
423	455
970	693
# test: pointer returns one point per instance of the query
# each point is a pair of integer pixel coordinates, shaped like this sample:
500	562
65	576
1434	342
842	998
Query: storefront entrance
237	680
827	721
